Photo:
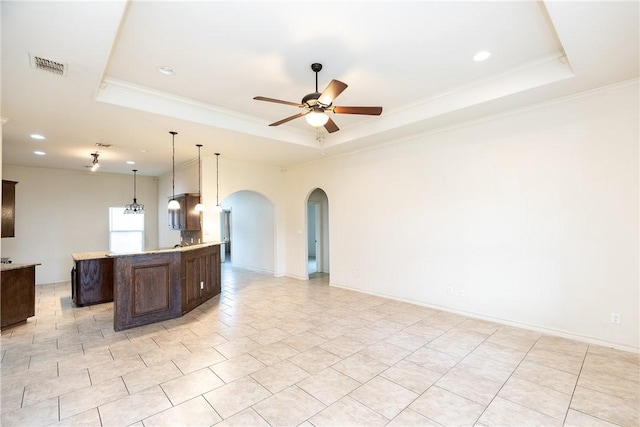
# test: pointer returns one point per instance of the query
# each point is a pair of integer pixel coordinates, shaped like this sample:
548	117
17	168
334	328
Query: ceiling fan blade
331	126
335	88
295	116
279	101
371	111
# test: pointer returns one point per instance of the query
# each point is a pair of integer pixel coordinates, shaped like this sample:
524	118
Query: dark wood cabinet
201	276
92	281
154	286
8	208
185	218
18	293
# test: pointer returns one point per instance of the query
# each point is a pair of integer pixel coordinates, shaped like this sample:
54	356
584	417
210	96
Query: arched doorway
317	247
250	231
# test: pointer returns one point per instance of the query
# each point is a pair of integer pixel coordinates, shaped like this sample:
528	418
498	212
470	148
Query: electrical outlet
450	290
615	318
201	285
461	292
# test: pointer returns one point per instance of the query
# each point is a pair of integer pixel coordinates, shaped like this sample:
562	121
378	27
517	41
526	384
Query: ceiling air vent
101	145
45	64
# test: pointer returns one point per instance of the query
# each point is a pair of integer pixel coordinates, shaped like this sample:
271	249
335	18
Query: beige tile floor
279	351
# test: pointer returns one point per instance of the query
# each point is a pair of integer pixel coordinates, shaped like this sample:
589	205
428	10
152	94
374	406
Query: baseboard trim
536	328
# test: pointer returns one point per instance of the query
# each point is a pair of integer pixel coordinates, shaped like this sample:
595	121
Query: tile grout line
505	382
575	385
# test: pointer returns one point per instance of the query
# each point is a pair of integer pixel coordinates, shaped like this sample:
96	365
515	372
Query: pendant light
199	207
134	208
218	208
173	204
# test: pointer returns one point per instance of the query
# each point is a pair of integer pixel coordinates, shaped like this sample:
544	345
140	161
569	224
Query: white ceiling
414	58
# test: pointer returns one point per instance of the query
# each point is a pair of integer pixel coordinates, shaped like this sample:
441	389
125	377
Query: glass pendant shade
135	207
174	205
199	207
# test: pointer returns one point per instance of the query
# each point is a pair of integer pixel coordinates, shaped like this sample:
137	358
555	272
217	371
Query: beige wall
532	216
59	212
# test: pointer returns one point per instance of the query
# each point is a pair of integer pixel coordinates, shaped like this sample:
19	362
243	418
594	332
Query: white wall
238	176
59	212
252	231
533	216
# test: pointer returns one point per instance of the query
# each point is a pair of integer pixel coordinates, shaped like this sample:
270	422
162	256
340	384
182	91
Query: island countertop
9	267
102	254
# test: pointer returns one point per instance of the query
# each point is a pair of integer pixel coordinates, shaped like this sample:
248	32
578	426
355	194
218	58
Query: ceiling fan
316	105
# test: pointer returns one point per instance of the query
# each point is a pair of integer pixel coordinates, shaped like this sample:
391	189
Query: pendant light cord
217	179
199	172
173	162
134	185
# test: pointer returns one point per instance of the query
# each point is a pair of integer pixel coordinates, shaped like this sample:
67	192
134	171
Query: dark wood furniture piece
8	208
201	276
159	285
91	279
186	218
18	293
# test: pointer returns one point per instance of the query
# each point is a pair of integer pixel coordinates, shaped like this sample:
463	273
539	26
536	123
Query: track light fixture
95	164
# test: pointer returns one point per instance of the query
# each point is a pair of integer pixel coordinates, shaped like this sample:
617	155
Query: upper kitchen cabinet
8	208
186	218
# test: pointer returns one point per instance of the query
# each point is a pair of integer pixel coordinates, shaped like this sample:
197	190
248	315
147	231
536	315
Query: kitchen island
17	292
157	285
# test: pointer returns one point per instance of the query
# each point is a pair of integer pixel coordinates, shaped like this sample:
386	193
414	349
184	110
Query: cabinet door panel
191	297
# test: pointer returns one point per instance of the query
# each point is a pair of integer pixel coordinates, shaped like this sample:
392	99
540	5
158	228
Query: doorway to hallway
317	247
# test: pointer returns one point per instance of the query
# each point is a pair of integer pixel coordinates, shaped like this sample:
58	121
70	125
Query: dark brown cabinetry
155	286
18	293
185	218
8	208
201	276
92	281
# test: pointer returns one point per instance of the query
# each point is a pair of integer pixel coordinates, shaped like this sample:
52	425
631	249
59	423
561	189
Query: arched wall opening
317	233
250	229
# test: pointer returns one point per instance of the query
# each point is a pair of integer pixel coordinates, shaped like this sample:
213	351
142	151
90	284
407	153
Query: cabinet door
209	268
191	216
8	208
192	278
93	281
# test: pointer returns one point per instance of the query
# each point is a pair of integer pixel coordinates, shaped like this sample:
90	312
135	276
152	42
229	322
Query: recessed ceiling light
481	56
39	153
131	162
167	71
36	136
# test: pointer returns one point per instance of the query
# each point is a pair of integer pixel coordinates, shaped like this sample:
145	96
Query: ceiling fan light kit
317	118
316	105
